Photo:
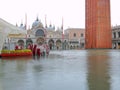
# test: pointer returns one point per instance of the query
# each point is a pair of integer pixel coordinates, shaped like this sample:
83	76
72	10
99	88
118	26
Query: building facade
116	37
98	24
76	38
39	35
57	39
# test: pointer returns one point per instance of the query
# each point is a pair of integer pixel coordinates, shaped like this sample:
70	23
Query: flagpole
45	21
26	29
62	34
25	21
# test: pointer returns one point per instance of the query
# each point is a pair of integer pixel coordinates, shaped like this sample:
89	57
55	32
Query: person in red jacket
16	47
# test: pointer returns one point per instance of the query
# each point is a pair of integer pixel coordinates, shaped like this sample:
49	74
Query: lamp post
9	43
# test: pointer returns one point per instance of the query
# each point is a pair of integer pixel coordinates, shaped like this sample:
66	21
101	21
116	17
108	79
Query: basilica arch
21	42
40	40
29	41
40	32
58	44
51	44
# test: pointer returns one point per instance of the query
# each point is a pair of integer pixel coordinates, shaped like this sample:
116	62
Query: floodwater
63	70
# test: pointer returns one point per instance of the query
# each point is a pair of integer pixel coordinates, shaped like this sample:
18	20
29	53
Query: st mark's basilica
56	39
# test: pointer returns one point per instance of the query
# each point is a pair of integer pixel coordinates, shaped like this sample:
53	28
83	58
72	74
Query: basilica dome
37	23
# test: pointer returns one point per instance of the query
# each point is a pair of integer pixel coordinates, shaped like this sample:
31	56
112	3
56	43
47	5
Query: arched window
29	41
81	34
39	32
74	35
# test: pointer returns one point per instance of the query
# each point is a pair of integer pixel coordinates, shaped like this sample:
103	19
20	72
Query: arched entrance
40	40
28	42
65	45
21	44
51	44
58	44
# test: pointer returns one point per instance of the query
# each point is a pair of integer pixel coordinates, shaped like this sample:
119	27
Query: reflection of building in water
116	37
72	38
114	71
98	77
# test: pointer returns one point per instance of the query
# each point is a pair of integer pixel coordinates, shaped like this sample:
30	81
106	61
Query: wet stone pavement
63	70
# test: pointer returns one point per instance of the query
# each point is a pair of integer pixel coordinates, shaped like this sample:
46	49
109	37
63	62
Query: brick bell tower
98	24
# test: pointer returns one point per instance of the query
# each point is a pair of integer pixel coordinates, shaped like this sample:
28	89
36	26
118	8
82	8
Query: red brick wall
98	24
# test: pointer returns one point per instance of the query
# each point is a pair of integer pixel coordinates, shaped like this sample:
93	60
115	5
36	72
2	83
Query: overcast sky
72	11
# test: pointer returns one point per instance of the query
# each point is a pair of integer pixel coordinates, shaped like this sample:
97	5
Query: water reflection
63	70
98	76
114	66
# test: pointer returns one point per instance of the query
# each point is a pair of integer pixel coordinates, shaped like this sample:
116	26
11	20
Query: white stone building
116	37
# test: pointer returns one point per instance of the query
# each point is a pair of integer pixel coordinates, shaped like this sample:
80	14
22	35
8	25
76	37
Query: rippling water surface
63	70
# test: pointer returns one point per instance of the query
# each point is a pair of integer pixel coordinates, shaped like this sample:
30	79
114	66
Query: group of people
17	47
39	50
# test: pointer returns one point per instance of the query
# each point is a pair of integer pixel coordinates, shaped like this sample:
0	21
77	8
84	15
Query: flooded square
63	70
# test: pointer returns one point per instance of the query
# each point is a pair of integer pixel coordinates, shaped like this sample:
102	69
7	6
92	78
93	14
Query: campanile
98	24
